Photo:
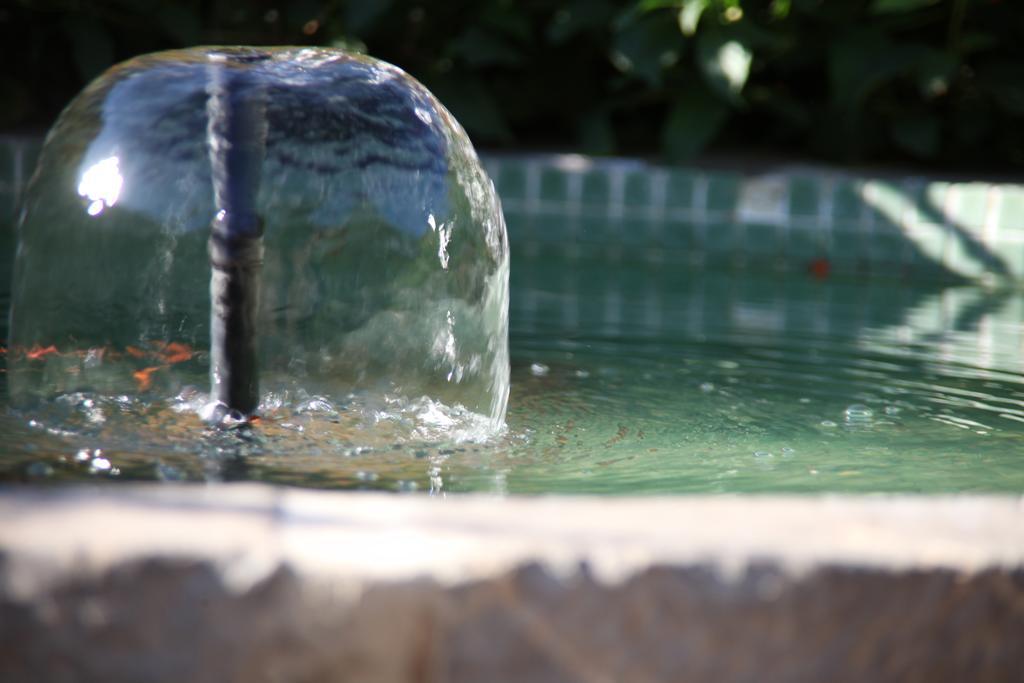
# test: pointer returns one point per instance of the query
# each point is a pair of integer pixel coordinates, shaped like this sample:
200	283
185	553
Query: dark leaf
474	108
597	136
920	135
361	16
863	60
17	101
1004	82
692	123
934	72
724	60
181	24
582	16
507	19
91	45
690	14
898	6
479	48
646	46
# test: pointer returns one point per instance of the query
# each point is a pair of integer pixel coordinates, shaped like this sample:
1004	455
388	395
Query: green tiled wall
788	218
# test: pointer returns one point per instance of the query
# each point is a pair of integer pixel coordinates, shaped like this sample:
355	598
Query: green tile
552	184
960	260
928	244
847	249
936	195
761	240
723	191
491	165
30	150
8	153
550	229
595	188
720	238
679	189
804	193
676	235
1013	256
637	190
1011	210
517	223
512	181
8	202
887	200
969	211
916	203
594	231
634	232
887	249
847	203
805	244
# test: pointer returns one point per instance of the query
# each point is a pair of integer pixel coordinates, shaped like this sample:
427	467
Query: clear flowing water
380	242
627	377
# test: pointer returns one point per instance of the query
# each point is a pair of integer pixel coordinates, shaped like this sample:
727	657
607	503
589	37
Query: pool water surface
629	376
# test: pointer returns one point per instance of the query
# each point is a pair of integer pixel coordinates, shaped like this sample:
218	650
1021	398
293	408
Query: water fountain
357	248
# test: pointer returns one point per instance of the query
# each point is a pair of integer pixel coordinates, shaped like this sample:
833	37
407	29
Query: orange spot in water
176	353
820	268
254	420
37	352
144	377
134	351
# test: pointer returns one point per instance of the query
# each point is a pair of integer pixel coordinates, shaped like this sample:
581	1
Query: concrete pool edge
477	588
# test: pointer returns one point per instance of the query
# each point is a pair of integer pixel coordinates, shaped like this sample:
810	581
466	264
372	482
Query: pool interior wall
114	583
786	217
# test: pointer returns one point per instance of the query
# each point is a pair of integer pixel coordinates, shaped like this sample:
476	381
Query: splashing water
385	276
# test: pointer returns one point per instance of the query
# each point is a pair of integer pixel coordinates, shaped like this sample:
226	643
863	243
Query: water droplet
828	423
539	369
317	404
707	387
763	454
99	465
787	451
83	455
804	399
271	403
858	412
582	374
893	410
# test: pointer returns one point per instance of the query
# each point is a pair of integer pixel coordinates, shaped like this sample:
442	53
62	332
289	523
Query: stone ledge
250	583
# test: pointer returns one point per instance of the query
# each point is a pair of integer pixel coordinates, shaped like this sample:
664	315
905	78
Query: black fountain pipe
236	135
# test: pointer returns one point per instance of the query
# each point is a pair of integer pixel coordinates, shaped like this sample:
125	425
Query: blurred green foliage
939	82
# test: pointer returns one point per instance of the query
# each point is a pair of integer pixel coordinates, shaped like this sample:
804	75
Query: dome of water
385	266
